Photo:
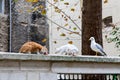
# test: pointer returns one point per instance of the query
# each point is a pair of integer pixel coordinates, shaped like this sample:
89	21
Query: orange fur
32	47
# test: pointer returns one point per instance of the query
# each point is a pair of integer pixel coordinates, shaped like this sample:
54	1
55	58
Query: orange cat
33	47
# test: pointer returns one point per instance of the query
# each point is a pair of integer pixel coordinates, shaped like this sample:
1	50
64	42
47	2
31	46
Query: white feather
68	49
96	47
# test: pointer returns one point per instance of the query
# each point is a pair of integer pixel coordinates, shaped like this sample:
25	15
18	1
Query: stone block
12	75
35	65
33	76
9	65
85	68
48	76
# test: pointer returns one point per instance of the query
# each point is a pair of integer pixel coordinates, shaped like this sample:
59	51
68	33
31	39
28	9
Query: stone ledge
36	57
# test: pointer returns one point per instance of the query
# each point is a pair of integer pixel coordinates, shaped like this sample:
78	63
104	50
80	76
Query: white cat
68	49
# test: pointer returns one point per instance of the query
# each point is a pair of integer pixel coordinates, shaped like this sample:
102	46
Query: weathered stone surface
7	7
27	26
3	32
32	75
35	65
19	24
13	75
9	65
49	76
83	67
14	66
37	57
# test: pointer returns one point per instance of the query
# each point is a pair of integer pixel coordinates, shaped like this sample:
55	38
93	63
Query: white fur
68	49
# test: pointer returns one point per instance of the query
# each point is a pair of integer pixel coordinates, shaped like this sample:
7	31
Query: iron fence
74	76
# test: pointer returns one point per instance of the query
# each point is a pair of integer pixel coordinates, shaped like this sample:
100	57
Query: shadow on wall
37	35
37	32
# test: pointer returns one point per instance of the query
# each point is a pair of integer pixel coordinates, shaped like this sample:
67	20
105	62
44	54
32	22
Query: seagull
96	47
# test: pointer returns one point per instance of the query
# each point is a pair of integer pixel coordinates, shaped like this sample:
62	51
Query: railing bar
64	76
72	76
60	77
109	76
77	76
116	76
69	76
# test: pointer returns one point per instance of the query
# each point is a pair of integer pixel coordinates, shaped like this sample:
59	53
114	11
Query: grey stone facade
7	7
27	26
3	32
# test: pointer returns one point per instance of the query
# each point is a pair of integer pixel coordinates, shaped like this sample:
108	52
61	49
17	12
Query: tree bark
91	24
91	27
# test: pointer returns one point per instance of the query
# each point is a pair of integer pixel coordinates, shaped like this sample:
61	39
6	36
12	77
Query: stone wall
27	26
7	7
26	70
3	32
15	66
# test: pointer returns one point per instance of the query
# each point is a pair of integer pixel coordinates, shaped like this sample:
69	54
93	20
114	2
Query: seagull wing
100	48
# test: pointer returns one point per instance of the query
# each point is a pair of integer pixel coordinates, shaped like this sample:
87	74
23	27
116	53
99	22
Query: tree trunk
91	27
91	24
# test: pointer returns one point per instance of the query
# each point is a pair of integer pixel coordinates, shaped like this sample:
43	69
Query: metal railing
77	76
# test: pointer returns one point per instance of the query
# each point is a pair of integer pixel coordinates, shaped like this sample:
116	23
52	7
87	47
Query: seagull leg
96	54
